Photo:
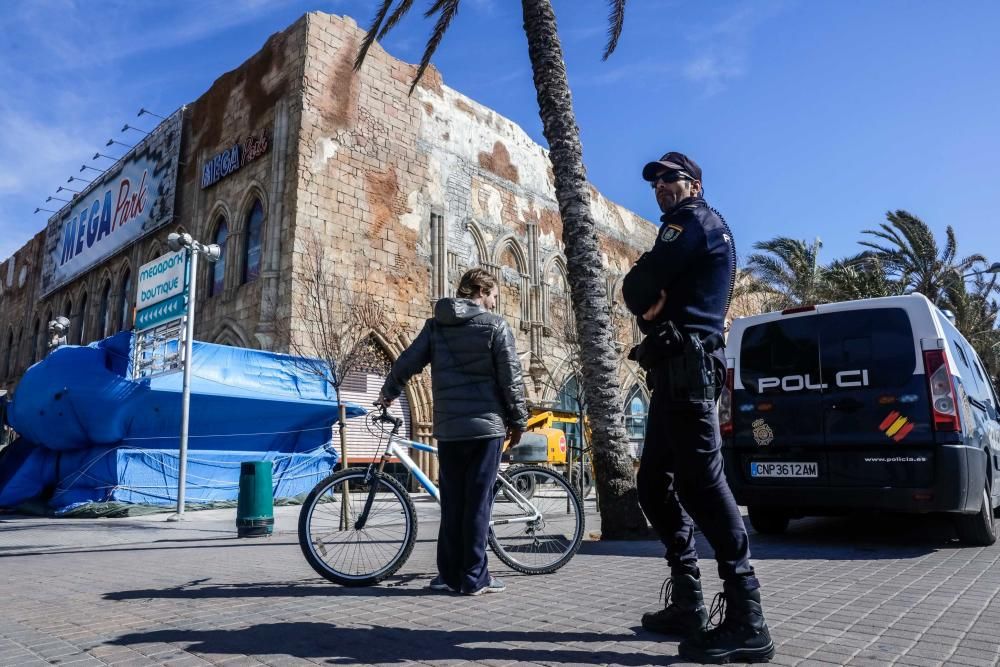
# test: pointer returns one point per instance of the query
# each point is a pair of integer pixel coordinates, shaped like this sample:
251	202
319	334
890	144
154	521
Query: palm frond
373	29
616	21
447	10
400	12
951	246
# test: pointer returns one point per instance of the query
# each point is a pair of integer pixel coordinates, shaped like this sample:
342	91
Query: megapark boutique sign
161	279
128	201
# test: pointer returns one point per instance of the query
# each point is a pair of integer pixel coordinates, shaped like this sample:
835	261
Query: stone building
404	192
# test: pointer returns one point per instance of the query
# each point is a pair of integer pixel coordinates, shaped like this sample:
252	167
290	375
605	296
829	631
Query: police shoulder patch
671	233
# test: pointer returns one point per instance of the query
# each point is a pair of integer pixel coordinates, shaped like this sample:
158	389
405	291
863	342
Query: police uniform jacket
694	258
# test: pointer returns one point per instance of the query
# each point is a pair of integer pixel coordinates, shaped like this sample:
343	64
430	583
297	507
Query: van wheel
768	521
979	529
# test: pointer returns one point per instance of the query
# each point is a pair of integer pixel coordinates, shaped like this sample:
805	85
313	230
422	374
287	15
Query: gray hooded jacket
475	371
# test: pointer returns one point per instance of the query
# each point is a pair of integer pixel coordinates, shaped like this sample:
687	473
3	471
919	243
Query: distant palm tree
620	513
976	311
862	276
787	271
909	251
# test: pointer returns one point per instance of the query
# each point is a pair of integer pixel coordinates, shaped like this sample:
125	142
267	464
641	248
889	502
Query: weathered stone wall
22	327
409	191
261	98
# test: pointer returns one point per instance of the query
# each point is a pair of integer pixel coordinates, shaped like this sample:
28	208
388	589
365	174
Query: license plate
783	469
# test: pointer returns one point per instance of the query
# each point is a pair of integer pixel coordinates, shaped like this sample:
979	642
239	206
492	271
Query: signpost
161	305
164	324
166	311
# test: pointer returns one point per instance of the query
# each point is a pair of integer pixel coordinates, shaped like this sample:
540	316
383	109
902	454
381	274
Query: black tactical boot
742	635
684	613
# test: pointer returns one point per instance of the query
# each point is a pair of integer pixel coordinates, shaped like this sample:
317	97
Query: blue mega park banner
132	198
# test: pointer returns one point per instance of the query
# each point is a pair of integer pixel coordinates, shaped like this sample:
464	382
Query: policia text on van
874	404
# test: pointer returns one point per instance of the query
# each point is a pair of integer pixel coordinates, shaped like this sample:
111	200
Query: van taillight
944	407
726	405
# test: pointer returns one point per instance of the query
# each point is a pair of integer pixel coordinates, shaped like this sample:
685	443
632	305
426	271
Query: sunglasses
670	177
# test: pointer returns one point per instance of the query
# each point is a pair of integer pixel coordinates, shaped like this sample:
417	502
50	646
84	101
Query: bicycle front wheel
343	548
536	535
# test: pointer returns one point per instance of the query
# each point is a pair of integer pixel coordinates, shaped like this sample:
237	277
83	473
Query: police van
871	404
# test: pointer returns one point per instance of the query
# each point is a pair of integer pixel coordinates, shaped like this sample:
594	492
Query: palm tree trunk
619	506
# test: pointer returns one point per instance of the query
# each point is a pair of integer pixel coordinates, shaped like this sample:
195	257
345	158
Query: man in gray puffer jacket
478	398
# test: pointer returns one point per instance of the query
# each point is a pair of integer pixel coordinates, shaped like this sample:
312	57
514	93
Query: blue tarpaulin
89	433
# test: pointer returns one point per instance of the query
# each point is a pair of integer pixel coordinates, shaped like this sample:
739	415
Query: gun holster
691	374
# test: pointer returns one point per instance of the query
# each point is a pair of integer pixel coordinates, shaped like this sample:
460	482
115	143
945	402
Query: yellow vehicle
544	443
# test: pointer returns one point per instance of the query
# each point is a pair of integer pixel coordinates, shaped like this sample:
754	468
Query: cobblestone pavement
874	591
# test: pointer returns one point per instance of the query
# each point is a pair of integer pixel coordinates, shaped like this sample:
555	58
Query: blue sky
810	118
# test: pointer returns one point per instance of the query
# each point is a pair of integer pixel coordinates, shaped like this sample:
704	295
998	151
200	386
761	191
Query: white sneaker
495	586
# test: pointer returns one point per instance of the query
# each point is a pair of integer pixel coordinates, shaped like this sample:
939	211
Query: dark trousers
467	473
681	478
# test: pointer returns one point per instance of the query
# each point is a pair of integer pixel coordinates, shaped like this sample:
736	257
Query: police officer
680	292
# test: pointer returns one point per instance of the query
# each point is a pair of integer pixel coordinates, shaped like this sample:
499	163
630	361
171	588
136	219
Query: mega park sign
233	158
132	198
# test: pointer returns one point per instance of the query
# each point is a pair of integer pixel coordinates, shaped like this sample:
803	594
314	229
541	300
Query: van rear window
817	351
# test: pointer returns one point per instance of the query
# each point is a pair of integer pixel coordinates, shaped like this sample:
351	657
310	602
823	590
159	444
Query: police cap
674	161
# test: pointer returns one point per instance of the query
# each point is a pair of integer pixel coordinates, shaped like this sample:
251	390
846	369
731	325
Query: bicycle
358	526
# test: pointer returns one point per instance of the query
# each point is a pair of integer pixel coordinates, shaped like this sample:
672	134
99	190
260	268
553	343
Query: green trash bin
255	506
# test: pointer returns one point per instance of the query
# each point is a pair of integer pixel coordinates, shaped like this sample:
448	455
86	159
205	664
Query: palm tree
862	276
909	251
976	311
620	513
787	271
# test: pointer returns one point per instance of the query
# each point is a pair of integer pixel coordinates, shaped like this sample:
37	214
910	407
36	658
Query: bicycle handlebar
386	417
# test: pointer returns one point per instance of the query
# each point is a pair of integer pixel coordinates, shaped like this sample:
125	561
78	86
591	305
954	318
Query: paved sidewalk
878	591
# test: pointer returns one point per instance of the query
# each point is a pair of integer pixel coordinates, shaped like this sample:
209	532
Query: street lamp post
994	268
212	253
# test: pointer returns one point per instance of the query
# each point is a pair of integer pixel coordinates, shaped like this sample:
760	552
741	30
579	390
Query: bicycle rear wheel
341	550
536	544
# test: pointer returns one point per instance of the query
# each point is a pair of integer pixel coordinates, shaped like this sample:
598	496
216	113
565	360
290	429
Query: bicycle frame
397	448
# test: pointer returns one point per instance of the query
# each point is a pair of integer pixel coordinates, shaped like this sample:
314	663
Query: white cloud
726	55
714	70
93	35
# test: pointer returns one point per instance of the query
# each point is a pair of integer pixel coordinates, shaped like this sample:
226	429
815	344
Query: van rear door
872	395
780	404
877	418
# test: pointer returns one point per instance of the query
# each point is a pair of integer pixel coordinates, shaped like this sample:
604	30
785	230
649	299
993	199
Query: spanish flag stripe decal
903	432
893	416
896	425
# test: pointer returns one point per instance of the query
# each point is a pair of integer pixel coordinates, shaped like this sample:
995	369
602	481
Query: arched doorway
362	386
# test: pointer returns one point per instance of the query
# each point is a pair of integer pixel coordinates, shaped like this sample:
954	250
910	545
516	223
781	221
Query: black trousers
681	478
466	475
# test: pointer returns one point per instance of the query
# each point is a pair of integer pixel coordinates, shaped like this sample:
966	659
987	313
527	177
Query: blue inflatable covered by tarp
88	433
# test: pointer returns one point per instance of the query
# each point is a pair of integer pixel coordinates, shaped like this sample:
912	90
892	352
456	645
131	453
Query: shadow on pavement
293	589
391	645
871	536
154	545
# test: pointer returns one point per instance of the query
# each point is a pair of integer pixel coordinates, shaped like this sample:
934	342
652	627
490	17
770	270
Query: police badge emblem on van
762	433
